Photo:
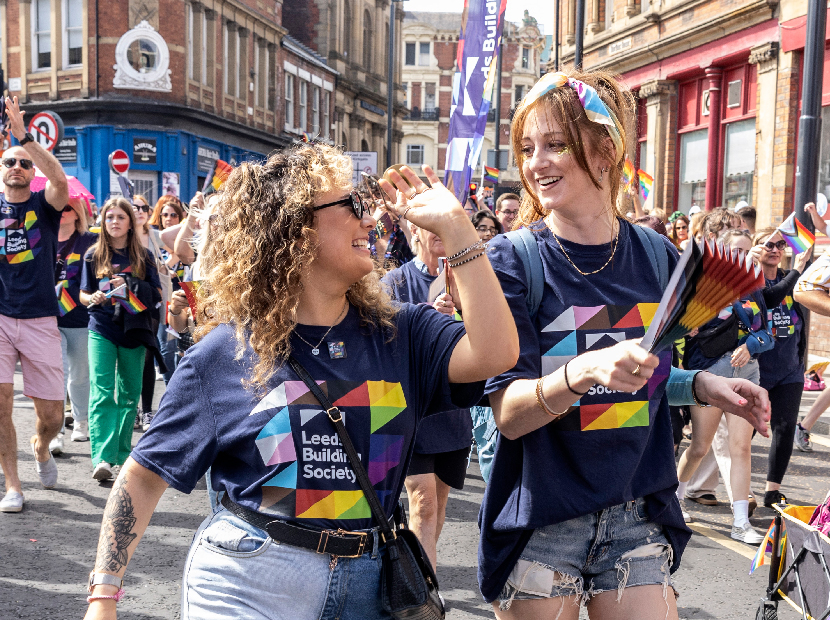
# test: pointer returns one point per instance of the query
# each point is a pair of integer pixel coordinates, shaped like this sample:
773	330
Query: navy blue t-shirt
280	454
28	246
451	430
611	447
73	314
782	364
101	315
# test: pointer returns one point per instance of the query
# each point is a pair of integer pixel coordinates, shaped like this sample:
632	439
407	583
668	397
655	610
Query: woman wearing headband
580	506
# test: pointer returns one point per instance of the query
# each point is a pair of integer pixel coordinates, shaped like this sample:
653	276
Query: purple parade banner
478	47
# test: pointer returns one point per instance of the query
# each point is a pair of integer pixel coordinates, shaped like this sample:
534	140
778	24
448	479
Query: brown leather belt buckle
326	535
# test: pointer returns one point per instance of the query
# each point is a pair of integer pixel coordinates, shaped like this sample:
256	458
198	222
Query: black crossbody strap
335	415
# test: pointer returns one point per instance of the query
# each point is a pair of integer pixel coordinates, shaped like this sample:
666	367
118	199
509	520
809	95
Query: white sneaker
79	433
747	534
102	471
12	502
56	445
686	516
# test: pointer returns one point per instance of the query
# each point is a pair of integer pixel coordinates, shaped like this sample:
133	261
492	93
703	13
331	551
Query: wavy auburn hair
263	244
102	252
583	137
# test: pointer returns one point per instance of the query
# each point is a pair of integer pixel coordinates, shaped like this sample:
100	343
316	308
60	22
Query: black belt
341	543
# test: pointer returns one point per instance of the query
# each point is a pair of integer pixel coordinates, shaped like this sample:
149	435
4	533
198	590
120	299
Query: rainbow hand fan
706	279
646	182
190	290
220	173
628	172
796	234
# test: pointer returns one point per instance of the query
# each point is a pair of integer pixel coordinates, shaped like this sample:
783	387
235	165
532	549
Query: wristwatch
26	139
103	579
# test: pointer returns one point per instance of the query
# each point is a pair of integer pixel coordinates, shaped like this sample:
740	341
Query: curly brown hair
264	243
582	136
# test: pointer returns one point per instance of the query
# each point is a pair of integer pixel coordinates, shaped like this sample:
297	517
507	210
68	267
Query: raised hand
15	116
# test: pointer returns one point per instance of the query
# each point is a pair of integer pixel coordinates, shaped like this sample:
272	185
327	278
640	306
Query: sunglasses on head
769	245
26	164
145	208
354	199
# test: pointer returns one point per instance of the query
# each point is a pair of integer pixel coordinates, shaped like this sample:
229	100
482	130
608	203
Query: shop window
423	55
73	36
409	56
42	44
146	183
643	155
739	168
694	147
733	94
415	154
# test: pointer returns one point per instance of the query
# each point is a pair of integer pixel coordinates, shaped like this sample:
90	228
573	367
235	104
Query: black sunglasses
769	245
145	208
26	164
359	207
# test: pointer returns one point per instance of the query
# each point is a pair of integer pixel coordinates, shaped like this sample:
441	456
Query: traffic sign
119	161
47	129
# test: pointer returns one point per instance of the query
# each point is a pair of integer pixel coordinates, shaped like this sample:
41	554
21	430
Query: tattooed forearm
117	530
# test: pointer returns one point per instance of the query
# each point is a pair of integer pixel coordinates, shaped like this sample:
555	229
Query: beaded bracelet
476	246
103	597
540	400
466	260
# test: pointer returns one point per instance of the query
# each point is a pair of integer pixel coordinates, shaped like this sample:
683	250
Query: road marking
726	541
820	440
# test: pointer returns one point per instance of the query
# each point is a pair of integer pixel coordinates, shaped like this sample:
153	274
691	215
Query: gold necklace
315	350
588	273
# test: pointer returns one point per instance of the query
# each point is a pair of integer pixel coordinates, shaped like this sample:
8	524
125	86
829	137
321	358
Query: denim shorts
612	549
235	570
723	368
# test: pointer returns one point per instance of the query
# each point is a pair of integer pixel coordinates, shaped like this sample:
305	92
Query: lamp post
556	8
580	33
390	82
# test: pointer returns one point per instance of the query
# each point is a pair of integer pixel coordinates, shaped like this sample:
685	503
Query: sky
542	10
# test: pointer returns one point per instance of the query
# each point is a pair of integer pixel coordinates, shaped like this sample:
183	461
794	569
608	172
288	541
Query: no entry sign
119	161
47	129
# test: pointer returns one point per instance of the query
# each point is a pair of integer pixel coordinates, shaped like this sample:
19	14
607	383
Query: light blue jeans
486	433
74	347
235	570
168	350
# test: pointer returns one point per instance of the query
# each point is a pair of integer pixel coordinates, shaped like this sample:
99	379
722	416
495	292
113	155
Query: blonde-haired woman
580	505
290	273
74	239
116	353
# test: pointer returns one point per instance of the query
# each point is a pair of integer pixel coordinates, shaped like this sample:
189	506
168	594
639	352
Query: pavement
47	551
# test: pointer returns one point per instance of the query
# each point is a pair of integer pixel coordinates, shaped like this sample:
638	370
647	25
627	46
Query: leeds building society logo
19	240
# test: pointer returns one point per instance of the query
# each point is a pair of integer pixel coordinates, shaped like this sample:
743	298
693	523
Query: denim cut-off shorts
612	549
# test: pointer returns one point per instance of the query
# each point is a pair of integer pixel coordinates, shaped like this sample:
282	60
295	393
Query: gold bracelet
540	400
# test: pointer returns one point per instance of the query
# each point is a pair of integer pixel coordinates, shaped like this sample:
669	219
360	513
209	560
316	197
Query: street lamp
390	82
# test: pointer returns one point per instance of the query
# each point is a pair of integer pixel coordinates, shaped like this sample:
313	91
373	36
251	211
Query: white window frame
423	58
36	34
289	102
66	30
415	148
315	110
302	105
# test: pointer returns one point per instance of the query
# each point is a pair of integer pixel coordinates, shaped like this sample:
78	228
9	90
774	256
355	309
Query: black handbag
408	585
717	340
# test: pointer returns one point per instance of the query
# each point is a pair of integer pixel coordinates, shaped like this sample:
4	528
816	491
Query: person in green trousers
116	359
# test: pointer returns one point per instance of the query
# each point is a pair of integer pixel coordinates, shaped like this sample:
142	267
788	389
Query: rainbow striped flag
766	546
796	235
306	137
628	172
491	174
646	181
221	171
65	302
190	290
131	304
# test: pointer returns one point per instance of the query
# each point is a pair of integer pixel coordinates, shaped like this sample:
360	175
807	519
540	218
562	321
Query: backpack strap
528	250
657	254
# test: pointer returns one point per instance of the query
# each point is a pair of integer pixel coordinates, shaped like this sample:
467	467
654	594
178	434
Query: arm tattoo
116	531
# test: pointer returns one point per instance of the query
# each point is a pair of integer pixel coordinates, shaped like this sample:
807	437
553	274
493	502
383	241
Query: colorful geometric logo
18	242
614	415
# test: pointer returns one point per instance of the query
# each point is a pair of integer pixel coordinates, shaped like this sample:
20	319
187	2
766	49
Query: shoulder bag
408	585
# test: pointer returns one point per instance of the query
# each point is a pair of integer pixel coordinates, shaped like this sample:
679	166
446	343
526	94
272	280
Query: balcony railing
427	114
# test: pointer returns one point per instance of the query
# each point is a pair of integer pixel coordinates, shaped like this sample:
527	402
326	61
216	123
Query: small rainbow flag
306	137
221	171
766	546
132	304
65	302
491	174
190	290
628	172
646	181
796	235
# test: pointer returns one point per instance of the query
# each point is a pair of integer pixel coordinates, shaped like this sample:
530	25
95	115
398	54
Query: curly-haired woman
580	505
116	354
290	273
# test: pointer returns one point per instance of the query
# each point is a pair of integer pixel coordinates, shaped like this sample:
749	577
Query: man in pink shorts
29	223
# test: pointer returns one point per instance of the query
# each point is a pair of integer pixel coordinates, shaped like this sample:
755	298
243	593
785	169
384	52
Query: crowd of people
426	323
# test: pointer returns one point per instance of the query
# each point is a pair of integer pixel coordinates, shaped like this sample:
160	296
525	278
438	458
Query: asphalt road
47	550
